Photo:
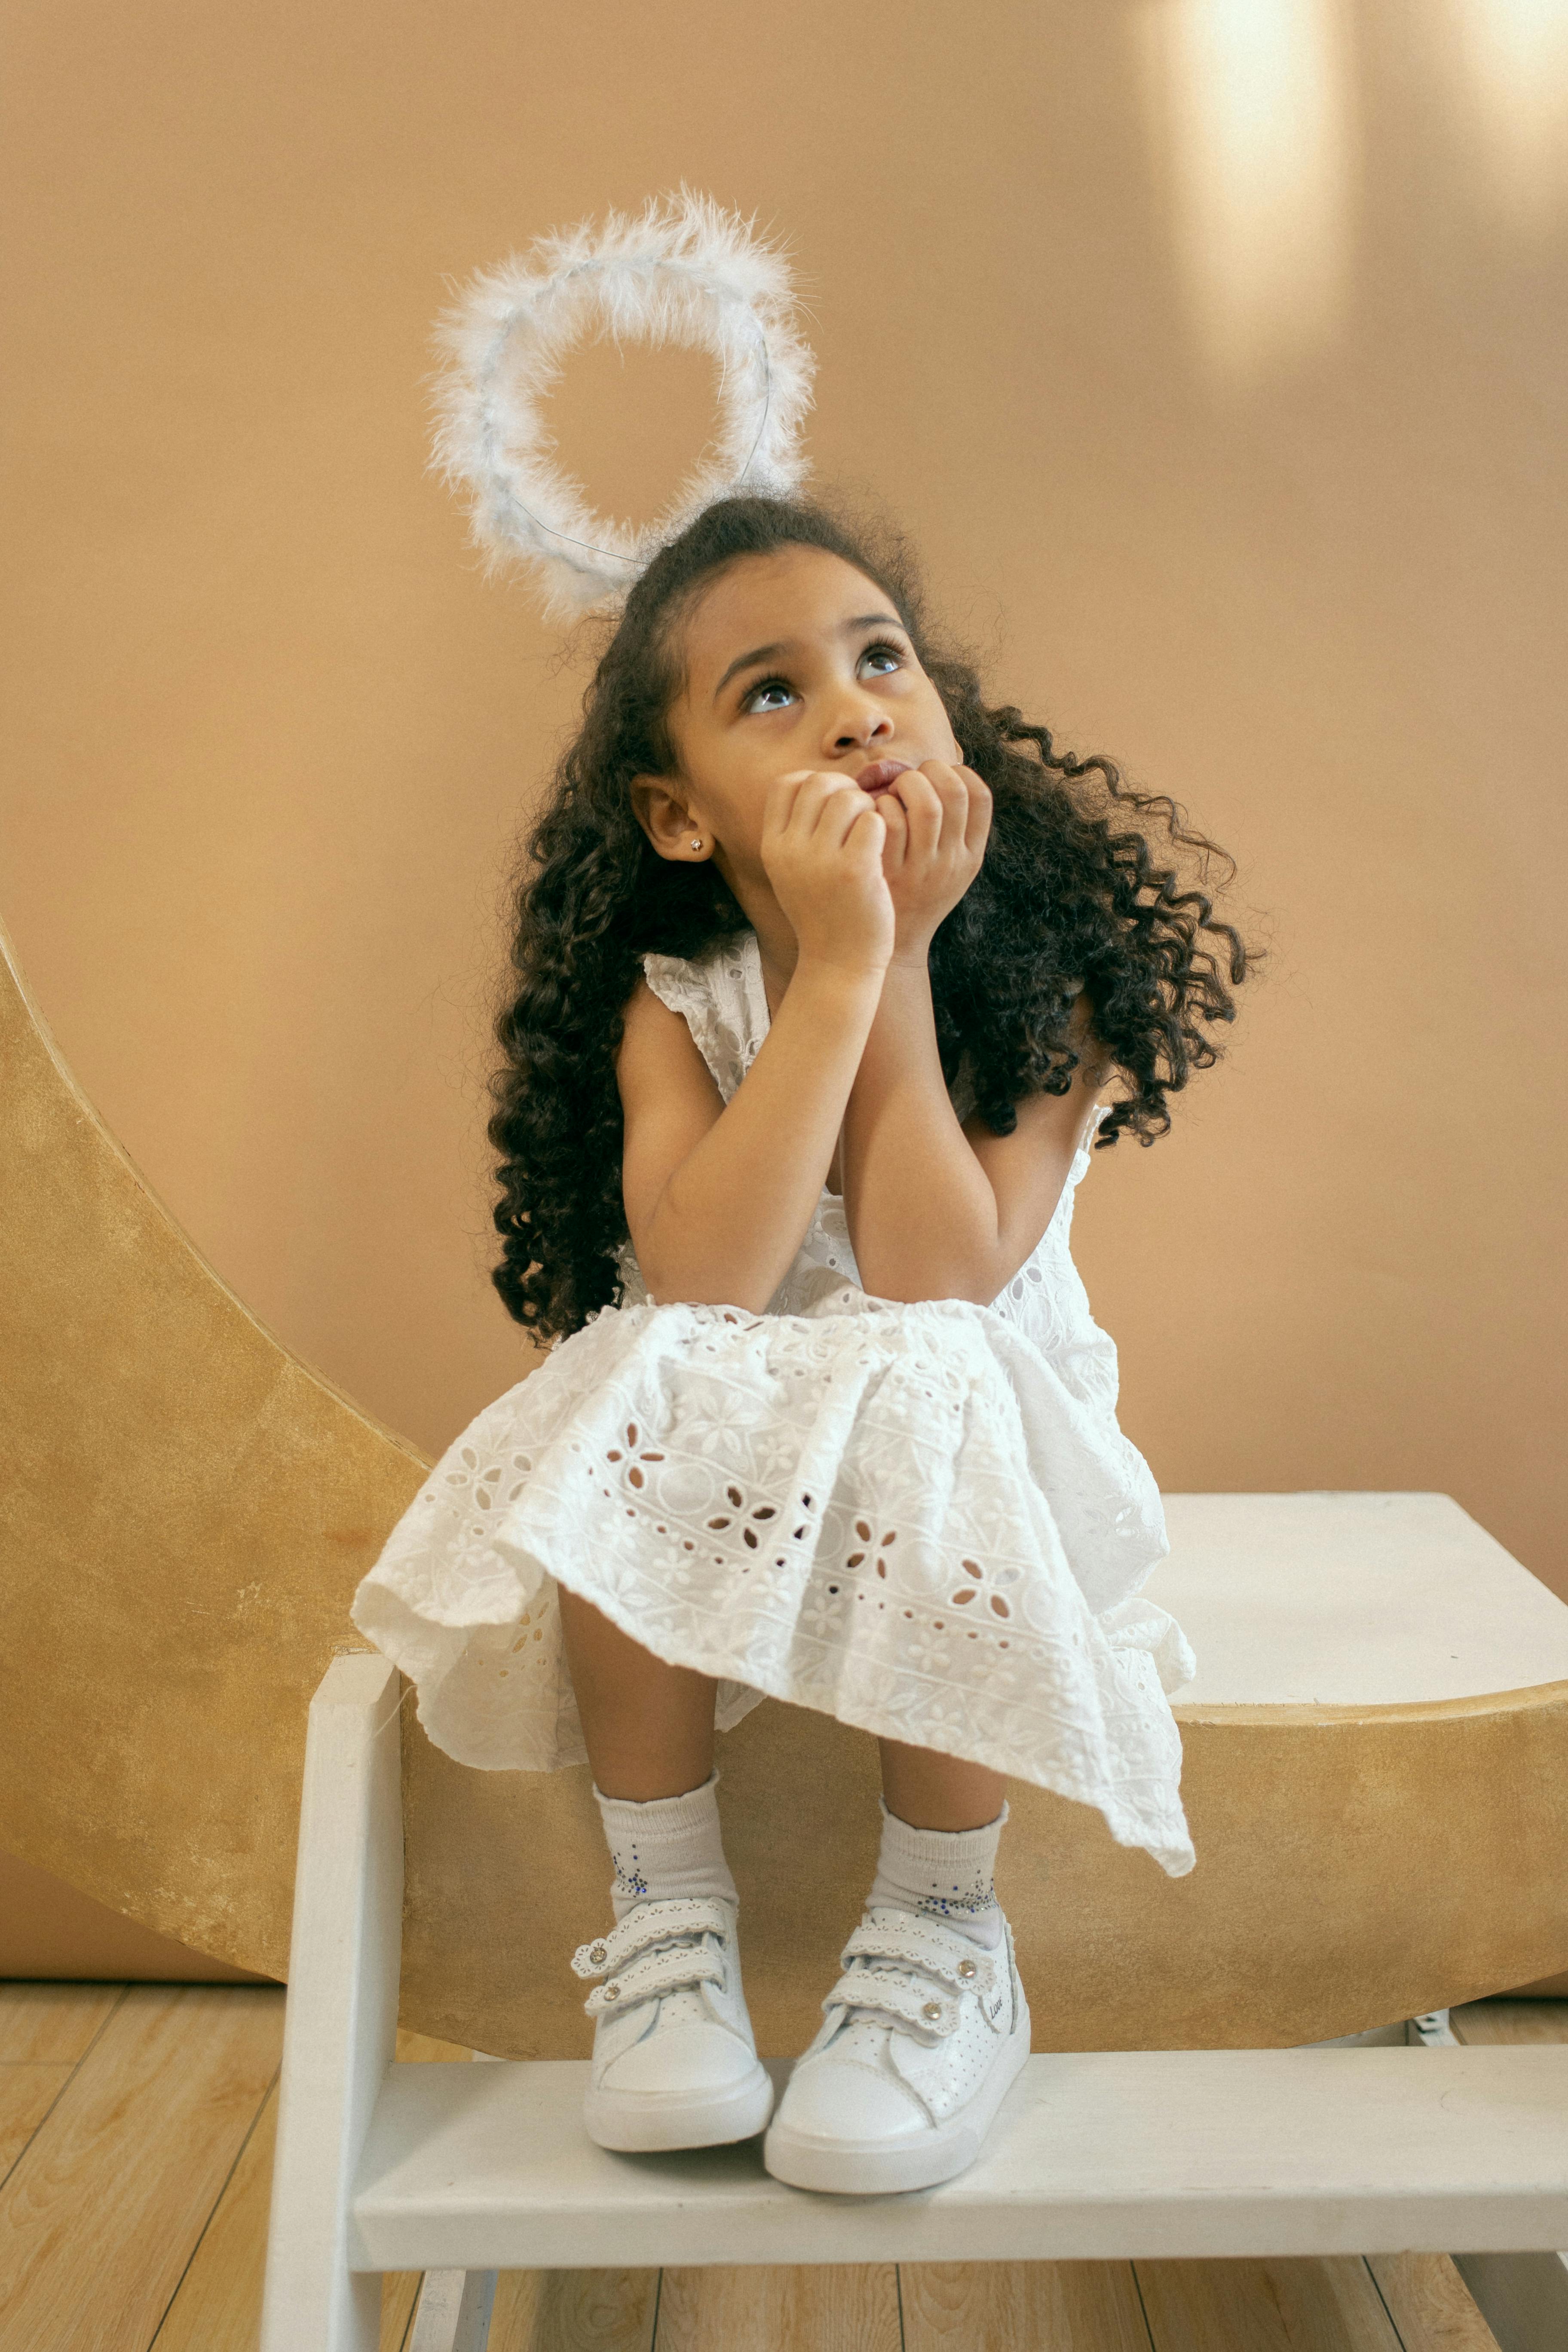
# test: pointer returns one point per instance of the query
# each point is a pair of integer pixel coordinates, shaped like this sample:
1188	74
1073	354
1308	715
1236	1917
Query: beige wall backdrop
1217	368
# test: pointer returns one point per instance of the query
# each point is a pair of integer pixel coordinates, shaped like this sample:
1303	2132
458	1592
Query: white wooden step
1095	2156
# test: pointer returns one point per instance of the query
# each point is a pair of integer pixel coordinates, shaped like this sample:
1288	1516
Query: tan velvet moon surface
187	1510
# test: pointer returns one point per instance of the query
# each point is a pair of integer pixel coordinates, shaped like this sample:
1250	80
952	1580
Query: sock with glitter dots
941	1874
670	1846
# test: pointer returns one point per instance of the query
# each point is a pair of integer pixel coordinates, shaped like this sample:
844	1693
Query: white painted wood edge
340	2030
1095	2156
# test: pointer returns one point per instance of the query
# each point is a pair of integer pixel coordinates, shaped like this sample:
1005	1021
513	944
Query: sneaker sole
637	2124
873	2167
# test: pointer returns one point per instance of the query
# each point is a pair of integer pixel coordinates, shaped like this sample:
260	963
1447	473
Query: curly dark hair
1060	897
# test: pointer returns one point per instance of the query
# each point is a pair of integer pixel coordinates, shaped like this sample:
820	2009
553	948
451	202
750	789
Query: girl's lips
881	774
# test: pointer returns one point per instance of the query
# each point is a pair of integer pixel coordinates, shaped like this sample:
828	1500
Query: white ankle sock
941	1874
670	1846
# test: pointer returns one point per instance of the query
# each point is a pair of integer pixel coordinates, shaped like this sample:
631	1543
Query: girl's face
791	660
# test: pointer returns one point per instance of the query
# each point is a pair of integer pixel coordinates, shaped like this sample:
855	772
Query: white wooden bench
1404	2142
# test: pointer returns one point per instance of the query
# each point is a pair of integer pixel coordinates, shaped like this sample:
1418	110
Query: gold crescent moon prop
187	1510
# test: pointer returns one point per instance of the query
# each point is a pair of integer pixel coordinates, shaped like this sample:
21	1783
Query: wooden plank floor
136	2131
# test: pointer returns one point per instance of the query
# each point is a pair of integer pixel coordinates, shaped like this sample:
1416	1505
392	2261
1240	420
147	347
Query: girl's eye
777	693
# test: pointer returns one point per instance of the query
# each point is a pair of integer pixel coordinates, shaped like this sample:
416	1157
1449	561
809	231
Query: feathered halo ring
681	271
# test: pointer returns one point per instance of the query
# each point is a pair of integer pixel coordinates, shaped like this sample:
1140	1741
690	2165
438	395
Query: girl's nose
860	723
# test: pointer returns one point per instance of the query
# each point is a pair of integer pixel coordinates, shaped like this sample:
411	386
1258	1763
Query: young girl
822	966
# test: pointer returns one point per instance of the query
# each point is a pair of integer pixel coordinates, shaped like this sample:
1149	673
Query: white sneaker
675	2062
925	2031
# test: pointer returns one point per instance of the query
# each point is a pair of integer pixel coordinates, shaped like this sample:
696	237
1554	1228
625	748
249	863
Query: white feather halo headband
681	271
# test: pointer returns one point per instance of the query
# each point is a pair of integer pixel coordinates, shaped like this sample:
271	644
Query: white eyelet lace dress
922	1519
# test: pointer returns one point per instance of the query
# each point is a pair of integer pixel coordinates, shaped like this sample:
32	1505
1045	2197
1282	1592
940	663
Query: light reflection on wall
1251	104
1509	63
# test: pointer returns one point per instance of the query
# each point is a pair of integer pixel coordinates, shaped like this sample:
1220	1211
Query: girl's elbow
912	1285
706	1286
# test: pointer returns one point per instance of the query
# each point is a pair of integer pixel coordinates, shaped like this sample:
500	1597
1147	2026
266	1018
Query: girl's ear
668	822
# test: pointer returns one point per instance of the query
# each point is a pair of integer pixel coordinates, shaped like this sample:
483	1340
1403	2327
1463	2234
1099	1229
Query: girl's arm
936	1210
719	1197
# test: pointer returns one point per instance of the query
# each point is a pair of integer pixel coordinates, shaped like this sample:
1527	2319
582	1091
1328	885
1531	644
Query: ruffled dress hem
390	1625
869	1510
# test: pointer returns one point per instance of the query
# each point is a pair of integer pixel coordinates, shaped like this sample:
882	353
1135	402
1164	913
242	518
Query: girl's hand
937	819
822	849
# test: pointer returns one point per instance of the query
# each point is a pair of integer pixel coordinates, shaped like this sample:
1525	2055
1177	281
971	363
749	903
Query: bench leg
1523	2298
454	2314
339	2029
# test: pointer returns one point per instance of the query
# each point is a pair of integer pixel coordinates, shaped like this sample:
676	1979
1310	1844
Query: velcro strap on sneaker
916	2005
936	1951
656	1973
650	1923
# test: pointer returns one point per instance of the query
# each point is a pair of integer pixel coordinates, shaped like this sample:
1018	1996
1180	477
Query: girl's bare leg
648	1727
931	1791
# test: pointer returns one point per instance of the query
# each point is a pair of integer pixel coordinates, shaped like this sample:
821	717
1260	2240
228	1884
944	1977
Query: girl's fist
937	820
823	848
